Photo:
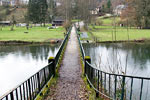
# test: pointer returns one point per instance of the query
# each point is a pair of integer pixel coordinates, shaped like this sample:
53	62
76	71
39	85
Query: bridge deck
70	85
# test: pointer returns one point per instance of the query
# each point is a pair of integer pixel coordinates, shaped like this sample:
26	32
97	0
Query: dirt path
70	83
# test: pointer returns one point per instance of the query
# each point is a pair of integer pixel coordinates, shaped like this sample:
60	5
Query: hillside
7	13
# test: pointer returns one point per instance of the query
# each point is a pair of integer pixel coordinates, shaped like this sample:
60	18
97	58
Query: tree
33	11
84	10
13	22
7	11
138	12
37	11
109	6
51	10
43	10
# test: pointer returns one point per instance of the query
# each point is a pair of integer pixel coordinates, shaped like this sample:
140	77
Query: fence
29	89
113	86
62	46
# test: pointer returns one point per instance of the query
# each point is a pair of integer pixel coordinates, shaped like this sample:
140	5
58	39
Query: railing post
45	76
52	59
38	79
29	89
123	86
11	96
87	59
97	93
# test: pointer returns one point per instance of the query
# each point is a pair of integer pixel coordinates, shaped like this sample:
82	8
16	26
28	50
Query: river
123	58
19	62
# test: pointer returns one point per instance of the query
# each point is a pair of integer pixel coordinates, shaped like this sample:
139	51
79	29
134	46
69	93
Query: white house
96	11
118	9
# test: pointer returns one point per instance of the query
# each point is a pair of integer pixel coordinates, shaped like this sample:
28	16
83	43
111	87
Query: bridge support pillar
52	67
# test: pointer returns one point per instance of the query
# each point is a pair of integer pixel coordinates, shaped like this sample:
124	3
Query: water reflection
17	63
124	58
133	58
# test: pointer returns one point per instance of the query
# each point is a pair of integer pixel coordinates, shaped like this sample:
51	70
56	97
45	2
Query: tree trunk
12	28
0	28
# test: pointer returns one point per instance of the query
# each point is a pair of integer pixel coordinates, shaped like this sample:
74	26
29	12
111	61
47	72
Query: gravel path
70	85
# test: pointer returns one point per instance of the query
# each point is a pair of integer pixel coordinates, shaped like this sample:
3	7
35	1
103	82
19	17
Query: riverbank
108	33
15	42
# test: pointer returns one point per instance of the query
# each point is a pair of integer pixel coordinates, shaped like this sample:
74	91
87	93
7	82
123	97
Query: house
12	2
58	21
96	11
7	23
5	2
118	9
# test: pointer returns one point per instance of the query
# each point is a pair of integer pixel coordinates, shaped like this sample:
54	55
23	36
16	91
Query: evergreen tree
109	6
37	10
51	9
33	11
43	7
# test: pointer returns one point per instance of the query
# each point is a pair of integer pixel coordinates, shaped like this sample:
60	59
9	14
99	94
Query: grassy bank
35	34
106	32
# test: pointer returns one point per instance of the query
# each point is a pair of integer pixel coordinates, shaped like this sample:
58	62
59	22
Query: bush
7	11
98	22
67	25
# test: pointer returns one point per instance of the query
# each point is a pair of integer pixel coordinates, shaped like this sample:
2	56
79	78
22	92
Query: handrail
31	87
110	85
62	46
80	44
147	78
23	81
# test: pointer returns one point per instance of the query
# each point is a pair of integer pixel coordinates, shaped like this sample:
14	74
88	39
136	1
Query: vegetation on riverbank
34	34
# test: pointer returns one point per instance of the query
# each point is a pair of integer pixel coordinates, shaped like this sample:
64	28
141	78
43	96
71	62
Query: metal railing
29	89
113	86
80	44
62	46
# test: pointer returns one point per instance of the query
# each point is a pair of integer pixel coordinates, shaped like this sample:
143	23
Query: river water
123	58
18	63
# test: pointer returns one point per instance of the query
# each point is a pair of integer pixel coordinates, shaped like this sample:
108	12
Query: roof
5	22
58	19
121	7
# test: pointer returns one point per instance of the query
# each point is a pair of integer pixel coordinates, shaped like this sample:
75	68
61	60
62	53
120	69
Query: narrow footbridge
107	86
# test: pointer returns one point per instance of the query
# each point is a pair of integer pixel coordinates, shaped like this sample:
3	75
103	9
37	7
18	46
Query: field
34	34
108	21
107	32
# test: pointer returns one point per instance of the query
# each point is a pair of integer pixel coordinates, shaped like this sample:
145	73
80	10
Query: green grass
105	33
35	34
75	20
108	20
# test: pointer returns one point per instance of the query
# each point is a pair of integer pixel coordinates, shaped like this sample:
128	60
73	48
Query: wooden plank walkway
70	85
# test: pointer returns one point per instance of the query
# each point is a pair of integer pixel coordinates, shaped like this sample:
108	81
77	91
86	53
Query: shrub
66	25
98	22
